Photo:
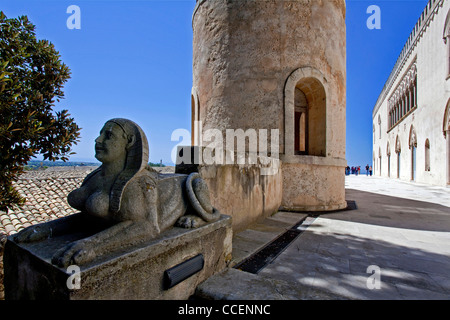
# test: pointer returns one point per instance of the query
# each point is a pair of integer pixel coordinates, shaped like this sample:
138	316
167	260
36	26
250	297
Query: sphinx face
111	145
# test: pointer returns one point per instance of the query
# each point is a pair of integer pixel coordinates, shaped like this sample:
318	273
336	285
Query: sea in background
40	164
37	164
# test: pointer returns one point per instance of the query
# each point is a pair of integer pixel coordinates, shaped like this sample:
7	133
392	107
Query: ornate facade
411	128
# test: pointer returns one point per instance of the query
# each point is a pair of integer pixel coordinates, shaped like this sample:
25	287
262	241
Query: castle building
278	66
411	118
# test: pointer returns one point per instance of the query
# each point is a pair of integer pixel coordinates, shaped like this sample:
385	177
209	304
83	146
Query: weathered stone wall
244	53
312	187
242	192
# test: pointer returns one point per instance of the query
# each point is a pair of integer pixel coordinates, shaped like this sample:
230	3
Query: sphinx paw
190	222
76	253
33	234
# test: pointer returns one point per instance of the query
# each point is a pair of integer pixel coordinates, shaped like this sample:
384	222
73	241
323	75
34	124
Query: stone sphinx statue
124	201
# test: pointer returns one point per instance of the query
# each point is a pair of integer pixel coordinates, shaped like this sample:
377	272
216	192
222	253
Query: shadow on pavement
394	212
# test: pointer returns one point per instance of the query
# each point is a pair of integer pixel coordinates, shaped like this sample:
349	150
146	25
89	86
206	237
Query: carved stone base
135	273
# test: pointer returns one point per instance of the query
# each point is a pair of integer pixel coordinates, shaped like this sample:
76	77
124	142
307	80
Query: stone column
389	120
402	111
395	114
415	94
409	99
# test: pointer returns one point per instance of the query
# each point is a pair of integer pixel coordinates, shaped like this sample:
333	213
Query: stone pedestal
138	272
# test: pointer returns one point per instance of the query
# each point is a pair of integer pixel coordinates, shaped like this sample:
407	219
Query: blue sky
133	59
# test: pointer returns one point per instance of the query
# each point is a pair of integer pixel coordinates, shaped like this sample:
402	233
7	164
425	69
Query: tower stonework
274	65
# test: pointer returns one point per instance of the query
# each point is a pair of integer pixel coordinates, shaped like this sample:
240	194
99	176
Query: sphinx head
113	143
122	140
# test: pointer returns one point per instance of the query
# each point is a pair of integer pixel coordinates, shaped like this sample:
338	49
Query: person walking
370	170
367	170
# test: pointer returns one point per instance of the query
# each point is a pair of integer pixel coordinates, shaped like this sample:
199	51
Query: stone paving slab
402	229
248	286
413	257
399	188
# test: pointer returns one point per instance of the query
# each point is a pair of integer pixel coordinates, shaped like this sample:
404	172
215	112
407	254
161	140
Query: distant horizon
95	161
86	160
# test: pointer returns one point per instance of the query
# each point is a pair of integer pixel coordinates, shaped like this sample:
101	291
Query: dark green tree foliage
31	79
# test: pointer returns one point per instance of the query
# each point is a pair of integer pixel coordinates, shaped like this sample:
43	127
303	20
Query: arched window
373	130
388	154
379	127
413	147
195	118
389	119
301	122
379	157
446	131
427	155
398	150
408	100
415	90
311	118
305	105
446	36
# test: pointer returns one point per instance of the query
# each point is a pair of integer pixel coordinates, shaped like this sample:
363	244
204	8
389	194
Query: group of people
357	170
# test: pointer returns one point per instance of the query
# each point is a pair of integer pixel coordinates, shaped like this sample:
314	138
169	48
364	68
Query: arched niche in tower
306	113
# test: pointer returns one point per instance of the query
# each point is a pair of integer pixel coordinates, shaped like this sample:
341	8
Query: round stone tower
277	65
